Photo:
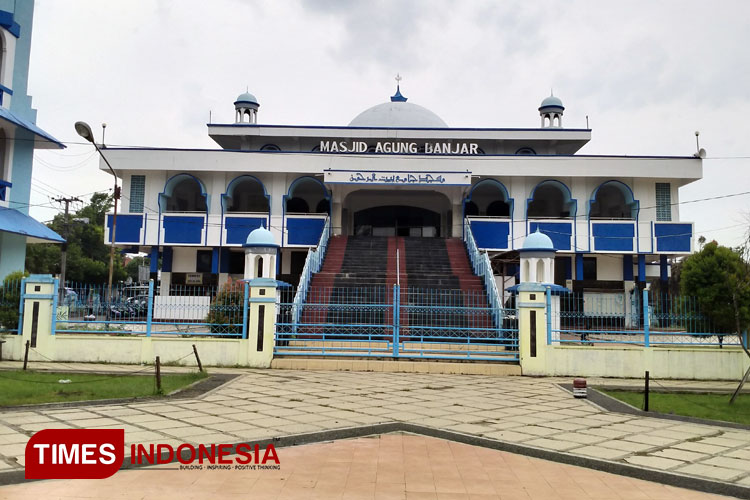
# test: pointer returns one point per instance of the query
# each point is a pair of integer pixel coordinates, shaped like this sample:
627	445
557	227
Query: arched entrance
397	220
396	212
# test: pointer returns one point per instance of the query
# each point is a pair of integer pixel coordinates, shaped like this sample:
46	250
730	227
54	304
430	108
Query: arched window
540	271
550	200
525	151
246	194
307	194
613	200
270	147
490	198
183	193
259	267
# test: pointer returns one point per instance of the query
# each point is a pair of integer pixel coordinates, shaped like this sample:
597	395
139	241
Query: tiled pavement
531	411
387	467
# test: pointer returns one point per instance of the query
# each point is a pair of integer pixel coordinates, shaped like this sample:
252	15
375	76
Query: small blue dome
246	97
539	242
552	101
260	237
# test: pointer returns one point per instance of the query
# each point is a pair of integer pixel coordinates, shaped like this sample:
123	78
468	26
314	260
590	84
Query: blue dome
552	101
246	97
260	237
539	242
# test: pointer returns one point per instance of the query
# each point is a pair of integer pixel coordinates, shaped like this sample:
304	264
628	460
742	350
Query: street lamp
83	129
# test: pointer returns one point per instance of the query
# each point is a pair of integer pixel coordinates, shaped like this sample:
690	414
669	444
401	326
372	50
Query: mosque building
397	170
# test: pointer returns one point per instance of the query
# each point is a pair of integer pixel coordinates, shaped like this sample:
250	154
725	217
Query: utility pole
66	232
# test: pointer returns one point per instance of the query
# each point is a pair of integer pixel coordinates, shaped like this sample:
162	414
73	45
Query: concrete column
37	326
261	325
532	328
336	219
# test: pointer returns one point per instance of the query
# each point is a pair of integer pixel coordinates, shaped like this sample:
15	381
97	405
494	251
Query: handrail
313	264
482	267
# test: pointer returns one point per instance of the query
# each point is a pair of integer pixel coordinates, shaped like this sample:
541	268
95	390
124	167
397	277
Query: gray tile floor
532	411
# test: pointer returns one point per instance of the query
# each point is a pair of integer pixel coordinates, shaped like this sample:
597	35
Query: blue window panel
128	228
615	237
489	234
304	231
559	232
183	229
238	228
673	237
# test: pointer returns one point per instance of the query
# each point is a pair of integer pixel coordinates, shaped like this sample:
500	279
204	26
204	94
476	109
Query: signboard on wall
193	278
397	178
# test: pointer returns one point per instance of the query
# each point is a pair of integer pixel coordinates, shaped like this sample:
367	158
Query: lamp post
83	129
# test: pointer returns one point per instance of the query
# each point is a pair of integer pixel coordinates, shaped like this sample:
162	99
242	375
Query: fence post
245	301
20	306
548	294
53	326
150	308
646	319
396	318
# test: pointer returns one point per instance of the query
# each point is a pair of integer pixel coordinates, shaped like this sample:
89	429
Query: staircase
440	297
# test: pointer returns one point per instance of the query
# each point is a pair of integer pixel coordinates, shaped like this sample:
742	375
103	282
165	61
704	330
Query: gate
408	323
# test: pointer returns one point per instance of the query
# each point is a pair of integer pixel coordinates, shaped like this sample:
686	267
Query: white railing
313	264
482	267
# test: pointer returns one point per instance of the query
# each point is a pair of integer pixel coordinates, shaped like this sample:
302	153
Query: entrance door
397	220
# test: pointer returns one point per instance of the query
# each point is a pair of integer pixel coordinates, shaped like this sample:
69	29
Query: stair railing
480	263
313	263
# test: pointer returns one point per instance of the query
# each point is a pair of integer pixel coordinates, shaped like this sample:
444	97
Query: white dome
260	237
398	115
539	242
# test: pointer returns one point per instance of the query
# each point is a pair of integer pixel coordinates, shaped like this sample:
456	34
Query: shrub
226	309
10	300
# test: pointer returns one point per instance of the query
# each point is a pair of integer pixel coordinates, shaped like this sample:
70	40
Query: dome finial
397	97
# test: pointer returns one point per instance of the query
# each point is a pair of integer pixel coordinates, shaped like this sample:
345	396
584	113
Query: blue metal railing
647	319
206	311
313	263
482	267
378	321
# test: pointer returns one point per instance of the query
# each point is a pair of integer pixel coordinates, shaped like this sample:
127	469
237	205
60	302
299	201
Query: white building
399	170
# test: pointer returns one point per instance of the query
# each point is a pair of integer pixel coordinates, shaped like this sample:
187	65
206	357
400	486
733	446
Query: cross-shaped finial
398	79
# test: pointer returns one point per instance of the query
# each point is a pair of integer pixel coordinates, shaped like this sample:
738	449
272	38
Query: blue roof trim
514	156
443	129
7	22
13	221
20	122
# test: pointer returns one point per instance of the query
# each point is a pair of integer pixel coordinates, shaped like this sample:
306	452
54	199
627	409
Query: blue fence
380	321
640	318
140	310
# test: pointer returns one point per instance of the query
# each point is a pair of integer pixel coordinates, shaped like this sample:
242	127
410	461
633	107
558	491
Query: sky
647	74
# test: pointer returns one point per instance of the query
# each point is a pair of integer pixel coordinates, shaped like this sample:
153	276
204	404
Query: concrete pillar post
261	320
532	328
39	299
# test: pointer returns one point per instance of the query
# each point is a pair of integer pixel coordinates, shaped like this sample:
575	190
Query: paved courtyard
531	411
388	467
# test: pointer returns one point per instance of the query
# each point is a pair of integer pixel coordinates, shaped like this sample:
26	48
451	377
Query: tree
131	268
720	279
88	256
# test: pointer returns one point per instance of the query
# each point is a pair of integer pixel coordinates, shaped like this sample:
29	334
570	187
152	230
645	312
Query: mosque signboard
397	178
398	147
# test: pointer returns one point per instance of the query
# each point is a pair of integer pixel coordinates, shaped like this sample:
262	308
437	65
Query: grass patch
23	388
710	406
